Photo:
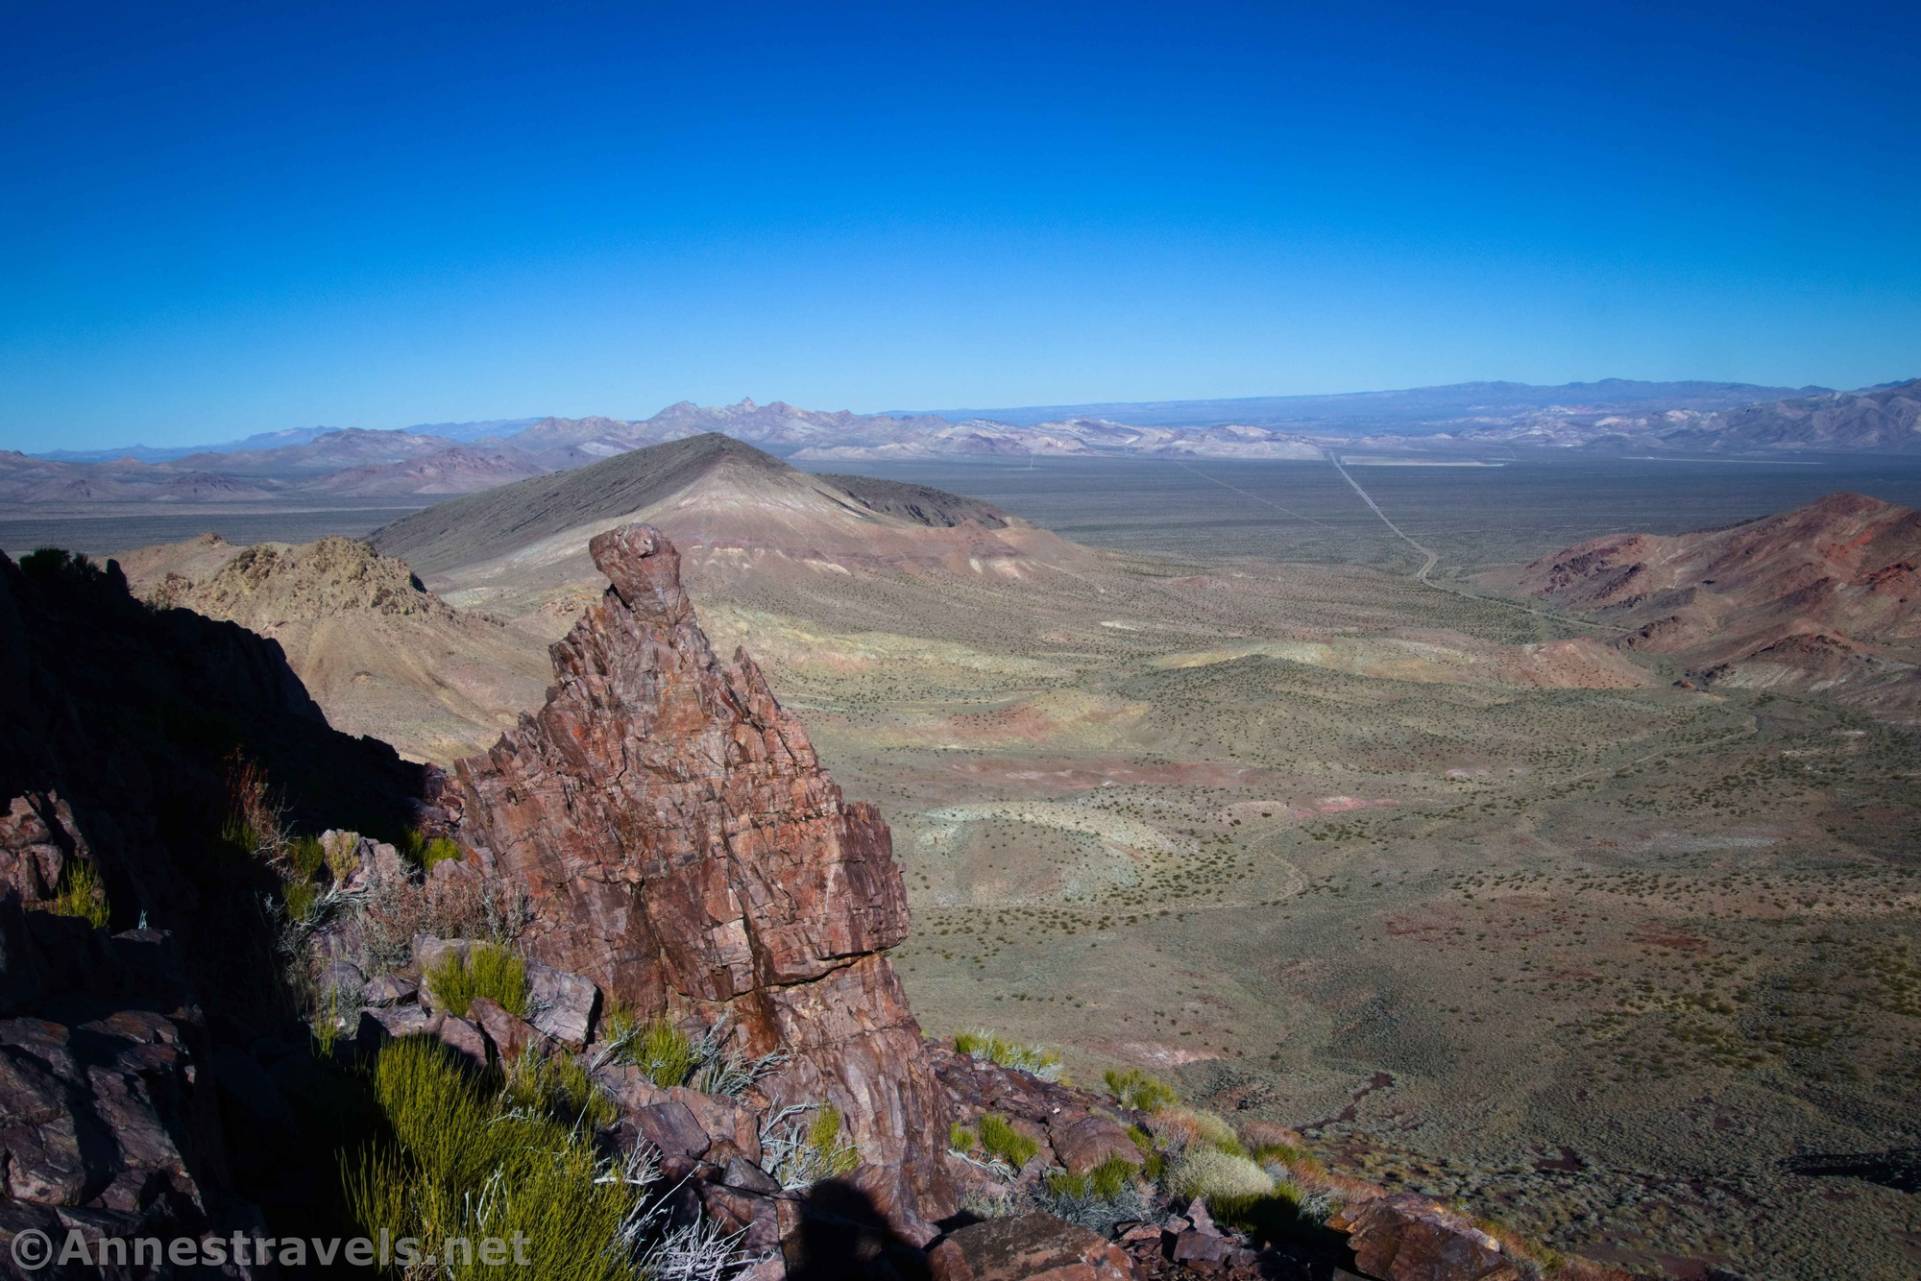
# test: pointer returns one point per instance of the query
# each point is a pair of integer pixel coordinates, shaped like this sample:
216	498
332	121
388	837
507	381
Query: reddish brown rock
1030	1247
510	1035
462	1037
1407	1237
1083	1142
682	847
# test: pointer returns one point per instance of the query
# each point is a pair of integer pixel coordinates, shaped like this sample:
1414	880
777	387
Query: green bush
1154	1163
1104	1182
557	1086
1297	1159
300	897
1000	1140
1211	1173
424	851
799	1156
1138	1090
81	894
462	1166
306	855
835	1152
663	1052
486	970
1268	1217
960	1138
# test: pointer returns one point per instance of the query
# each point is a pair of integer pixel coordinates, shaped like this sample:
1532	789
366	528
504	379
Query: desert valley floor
1481	903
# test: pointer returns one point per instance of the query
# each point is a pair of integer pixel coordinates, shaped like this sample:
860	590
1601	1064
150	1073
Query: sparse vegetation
82	894
987	1047
1209	1172
1138	1090
556	1085
462	1165
799	1154
423	851
1100	1198
1002	1142
482	970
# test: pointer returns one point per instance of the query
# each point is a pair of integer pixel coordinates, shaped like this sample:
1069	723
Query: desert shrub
987	1047
1209	1172
341	855
960	1138
558	1086
485	970
460	1166
327	1017
397	911
662	1051
1100	1198
1138	1090
51	564
1154	1163
1291	1158
423	851
300	896
992	1200
670	1057
254	824
1191	1127
698	1251
800	1155
724	1070
81	894
1001	1141
306	856
1104	1180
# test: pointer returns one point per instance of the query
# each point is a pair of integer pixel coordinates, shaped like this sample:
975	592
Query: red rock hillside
1824	598
684	849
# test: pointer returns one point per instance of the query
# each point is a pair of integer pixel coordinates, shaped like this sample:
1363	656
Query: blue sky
218	220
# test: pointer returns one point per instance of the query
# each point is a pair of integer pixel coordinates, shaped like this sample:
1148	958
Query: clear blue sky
223	219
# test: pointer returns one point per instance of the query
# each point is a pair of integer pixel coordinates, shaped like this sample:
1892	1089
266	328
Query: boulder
510	1034
389	989
755	1215
563	1004
672	1128
380	1023
464	1038
1408	1237
1029	1247
1083	1142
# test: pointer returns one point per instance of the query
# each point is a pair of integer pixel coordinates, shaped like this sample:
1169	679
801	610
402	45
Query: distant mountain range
1413	411
1614	416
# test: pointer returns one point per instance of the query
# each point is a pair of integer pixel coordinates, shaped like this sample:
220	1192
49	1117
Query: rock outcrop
682	847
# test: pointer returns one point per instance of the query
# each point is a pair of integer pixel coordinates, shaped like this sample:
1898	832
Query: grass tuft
424	851
82	894
1000	1140
460	1165
987	1047
1138	1090
486	970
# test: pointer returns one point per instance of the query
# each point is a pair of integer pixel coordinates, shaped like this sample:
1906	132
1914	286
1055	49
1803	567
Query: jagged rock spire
682	846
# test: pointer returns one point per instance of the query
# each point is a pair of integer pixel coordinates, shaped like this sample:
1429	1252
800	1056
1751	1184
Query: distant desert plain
1319	790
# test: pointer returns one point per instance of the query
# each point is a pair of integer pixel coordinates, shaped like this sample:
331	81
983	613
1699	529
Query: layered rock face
682	847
